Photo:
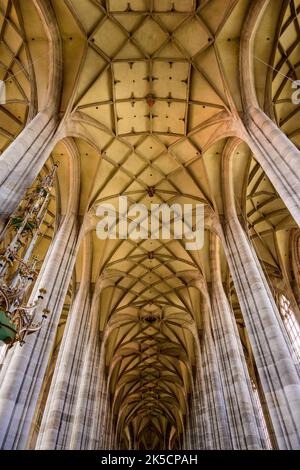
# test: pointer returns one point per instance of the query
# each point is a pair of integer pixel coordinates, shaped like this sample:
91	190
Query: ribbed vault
150	93
150	90
16	71
286	70
153	90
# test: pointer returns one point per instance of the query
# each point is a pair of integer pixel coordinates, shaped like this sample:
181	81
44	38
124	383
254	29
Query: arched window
291	325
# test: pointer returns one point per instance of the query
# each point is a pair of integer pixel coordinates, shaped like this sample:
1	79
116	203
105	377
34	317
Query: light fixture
18	321
18	265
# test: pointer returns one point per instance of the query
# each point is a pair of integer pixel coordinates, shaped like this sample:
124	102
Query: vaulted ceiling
150	94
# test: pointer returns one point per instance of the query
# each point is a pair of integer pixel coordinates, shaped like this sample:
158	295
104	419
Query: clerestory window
291	325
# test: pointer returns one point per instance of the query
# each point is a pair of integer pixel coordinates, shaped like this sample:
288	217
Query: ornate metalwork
18	265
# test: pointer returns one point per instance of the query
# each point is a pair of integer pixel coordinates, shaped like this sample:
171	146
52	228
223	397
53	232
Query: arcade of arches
144	344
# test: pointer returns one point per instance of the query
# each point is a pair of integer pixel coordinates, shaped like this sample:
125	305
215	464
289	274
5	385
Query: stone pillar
59	414
215	400
278	157
194	429
203	434
86	428
245	426
22	383
211	414
200	421
276	368
108	425
276	154
103	425
24	376
187	445
22	161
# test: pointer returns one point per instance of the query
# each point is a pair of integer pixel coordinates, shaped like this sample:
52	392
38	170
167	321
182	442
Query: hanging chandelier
18	269
19	321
